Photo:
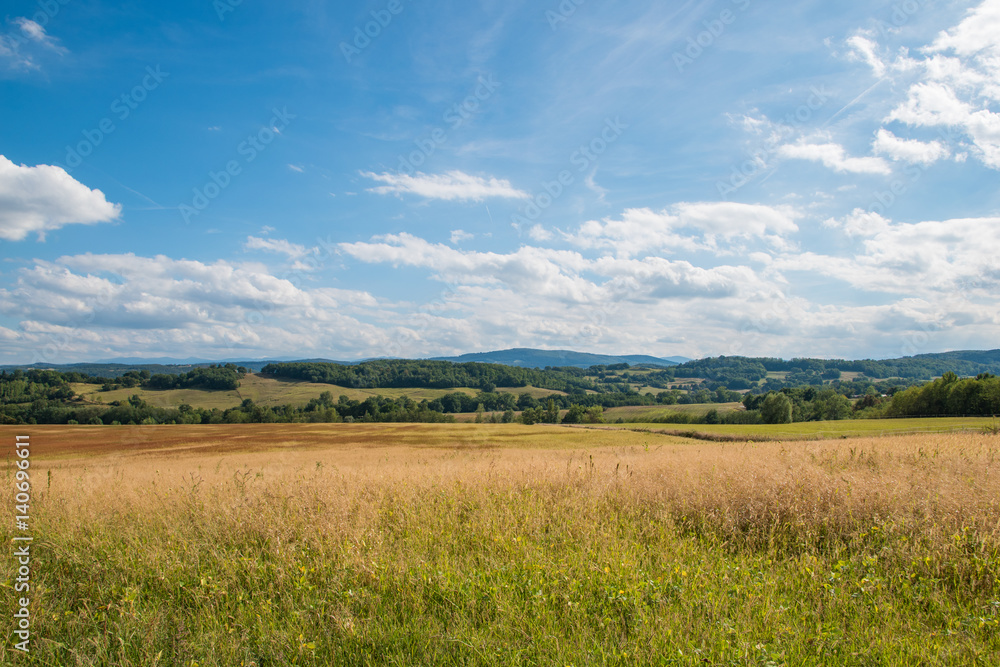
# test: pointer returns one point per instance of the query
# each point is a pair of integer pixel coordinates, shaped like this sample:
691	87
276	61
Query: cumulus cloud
909	150
687	226
859	223
280	246
539	233
833	156
43	198
931	104
562	276
450	186
978	32
949	257
960	79
115	304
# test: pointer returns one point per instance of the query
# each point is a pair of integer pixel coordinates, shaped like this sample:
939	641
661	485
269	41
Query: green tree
776	409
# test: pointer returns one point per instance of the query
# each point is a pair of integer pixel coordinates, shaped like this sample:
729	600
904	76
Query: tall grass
864	551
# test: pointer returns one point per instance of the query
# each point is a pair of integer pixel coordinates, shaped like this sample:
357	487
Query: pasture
295	544
814	430
262	390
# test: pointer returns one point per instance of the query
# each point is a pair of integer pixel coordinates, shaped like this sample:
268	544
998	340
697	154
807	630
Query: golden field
506	544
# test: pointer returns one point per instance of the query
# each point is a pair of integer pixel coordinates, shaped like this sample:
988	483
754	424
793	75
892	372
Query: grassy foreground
507	545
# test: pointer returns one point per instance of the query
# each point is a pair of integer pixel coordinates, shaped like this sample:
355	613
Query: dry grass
359	544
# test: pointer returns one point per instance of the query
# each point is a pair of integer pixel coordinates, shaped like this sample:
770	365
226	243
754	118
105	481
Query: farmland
820	429
317	544
261	390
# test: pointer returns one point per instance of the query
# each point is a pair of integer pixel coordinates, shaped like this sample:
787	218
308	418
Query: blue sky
252	179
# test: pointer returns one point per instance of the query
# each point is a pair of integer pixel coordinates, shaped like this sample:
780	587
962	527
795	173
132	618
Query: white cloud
732	219
978	32
860	223
554	273
459	235
562	276
539	233
29	33
296	167
833	156
931	104
865	50
592	185
89	306
280	246
36	33
43	198
947	257
909	150
687	226
450	186
960	79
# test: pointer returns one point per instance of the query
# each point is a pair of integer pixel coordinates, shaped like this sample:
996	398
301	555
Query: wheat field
504	544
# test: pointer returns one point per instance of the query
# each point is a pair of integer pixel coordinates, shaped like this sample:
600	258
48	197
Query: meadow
841	428
360	544
262	390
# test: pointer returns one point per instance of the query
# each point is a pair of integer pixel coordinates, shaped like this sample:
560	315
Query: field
535	392
293	544
261	390
638	413
816	430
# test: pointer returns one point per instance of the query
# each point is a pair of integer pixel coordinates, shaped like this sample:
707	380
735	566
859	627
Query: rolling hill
532	358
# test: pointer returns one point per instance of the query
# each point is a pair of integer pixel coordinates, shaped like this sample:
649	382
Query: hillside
724	369
532	358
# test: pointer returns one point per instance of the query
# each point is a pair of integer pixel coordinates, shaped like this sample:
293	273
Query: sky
227	179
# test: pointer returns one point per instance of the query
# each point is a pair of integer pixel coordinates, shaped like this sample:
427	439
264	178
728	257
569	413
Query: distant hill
117	369
532	358
985	357
962	362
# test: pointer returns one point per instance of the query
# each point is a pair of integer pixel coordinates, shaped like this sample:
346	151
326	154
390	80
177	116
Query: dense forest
401	373
948	395
921	367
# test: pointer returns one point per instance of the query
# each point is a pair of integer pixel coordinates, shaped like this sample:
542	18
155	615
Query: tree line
416	374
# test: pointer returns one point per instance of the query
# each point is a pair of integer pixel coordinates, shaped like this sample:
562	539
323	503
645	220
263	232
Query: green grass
536	392
635	592
472	549
262	390
829	429
637	413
